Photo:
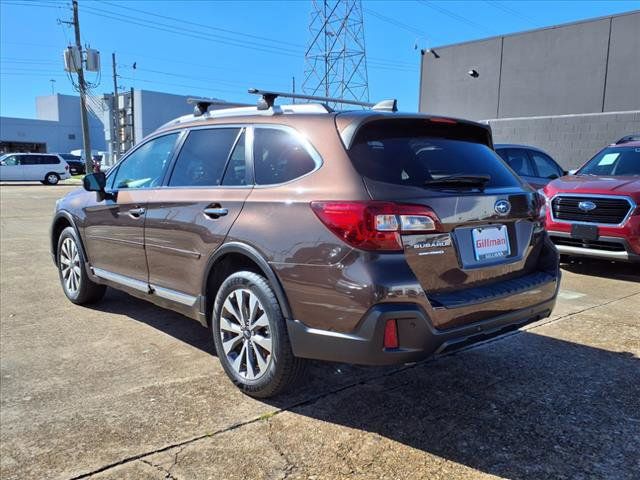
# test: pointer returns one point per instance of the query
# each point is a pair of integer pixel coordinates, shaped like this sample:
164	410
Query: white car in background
42	167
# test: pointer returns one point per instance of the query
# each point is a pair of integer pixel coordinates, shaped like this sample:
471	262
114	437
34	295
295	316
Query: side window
236	172
519	161
48	160
503	154
545	166
279	156
202	158
29	160
12	161
146	166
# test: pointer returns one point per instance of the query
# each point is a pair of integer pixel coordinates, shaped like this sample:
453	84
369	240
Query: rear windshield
412	154
614	161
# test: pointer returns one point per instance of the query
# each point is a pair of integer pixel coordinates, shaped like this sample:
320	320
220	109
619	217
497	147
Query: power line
511	11
455	16
202	25
187	22
395	22
193	87
190	77
373	62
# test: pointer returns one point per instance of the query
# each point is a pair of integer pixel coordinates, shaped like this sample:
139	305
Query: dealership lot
127	390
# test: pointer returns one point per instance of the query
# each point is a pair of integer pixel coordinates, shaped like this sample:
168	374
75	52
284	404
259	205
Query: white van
43	167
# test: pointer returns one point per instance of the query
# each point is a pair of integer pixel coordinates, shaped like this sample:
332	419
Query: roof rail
268	99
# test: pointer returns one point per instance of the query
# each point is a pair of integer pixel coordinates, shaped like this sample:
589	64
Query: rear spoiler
471	131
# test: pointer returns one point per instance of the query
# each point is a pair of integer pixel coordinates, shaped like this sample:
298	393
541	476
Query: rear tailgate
488	232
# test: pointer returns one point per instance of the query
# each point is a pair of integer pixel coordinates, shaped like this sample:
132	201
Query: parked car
595	212
298	232
76	163
44	167
535	166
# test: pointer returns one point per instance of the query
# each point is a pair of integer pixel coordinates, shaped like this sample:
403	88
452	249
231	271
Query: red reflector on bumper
391	334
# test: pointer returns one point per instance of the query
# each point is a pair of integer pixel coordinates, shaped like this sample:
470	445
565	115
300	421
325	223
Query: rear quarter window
279	156
411	154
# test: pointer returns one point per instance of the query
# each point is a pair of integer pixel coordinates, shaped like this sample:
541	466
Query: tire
51	178
259	317
76	284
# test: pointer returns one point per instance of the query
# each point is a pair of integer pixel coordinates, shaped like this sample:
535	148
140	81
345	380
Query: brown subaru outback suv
297	232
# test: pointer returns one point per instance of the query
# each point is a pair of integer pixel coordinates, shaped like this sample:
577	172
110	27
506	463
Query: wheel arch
62	220
237	254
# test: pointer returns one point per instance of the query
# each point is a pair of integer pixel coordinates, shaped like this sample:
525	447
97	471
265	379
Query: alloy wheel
52	179
245	334
70	265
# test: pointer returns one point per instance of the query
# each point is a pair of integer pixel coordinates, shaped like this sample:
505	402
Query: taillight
375	225
541	205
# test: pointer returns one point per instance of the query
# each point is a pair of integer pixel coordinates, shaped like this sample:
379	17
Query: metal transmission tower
335	60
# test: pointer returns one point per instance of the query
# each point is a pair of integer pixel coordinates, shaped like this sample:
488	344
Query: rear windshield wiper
460	180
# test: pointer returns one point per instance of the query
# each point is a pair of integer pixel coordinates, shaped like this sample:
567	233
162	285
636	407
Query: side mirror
94	182
553	176
565	172
3	163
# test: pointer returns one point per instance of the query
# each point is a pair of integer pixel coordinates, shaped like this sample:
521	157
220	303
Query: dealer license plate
490	243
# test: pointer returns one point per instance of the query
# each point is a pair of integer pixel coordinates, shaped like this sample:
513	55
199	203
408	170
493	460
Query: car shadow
603	268
178	326
523	406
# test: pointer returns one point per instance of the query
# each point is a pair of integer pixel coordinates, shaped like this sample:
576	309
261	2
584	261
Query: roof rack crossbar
268	98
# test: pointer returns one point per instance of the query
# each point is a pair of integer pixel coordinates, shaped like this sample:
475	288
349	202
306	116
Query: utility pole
115	115
86	141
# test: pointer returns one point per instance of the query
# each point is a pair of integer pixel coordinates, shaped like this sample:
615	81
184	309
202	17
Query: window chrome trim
630	201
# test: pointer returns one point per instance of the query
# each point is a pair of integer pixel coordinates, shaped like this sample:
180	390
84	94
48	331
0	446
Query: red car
595	212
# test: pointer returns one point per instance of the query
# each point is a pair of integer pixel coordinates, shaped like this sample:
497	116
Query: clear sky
221	48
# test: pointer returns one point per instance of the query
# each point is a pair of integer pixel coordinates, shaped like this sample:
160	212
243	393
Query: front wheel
77	285
51	178
250	336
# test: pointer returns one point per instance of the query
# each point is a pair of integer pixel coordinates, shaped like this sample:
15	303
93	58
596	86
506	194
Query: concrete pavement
127	390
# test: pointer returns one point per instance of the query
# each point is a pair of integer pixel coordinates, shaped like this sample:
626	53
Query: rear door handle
216	212
136	212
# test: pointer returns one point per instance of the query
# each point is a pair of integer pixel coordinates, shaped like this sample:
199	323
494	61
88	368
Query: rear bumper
606	248
418	337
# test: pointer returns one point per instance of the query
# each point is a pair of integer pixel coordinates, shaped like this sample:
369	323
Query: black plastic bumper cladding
418	338
494	291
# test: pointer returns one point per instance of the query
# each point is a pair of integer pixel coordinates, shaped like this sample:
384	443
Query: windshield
414	155
614	161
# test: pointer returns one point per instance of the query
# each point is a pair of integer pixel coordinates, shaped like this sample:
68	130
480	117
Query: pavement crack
290	466
167	472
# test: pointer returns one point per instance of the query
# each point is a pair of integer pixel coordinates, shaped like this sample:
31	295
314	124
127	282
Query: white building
57	126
